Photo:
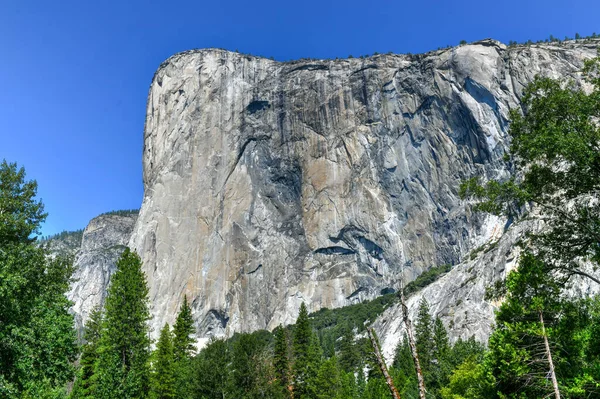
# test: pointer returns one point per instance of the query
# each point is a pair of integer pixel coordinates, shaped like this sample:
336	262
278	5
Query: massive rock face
268	184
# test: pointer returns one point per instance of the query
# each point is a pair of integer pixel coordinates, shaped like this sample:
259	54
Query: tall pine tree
183	349
183	332
163	373
349	358
281	360
424	336
304	348
85	384
440	367
124	348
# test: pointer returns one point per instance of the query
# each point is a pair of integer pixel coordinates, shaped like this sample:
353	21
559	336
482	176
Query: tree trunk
411	343
382	365
549	354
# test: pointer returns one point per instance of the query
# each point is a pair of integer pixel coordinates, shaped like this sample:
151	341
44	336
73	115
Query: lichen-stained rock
104	239
268	184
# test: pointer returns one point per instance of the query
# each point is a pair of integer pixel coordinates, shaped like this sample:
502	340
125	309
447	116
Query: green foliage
355	315
212	371
281	362
555	151
426	278
469	380
517	357
183	348
438	358
124	348
424	339
349	357
37	338
555	154
306	352
246	356
163	367
85	384
20	214
64	235
328	381
183	331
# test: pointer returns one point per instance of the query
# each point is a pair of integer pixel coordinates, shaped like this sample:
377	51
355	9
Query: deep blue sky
74	75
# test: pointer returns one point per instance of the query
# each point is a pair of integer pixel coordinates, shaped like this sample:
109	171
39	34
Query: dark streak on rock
255	270
335	250
310	67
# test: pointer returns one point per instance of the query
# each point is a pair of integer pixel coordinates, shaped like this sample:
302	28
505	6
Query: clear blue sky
74	75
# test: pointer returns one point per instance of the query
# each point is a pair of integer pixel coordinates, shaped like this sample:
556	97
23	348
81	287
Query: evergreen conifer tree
440	367
183	348
280	359
85	384
243	365
328	382
349	357
520	357
123	364
303	355
424	336
183	331
163	373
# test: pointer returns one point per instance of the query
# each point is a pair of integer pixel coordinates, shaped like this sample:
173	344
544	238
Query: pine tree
243	365
424	336
315	359
440	368
85	384
303	354
163	373
349	386
183	332
328	382
349	357
183	348
280	359
403	369
124	347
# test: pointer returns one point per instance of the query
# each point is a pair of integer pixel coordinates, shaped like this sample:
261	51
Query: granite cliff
326	181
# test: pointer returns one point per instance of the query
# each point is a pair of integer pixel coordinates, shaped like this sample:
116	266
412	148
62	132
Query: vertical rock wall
268	184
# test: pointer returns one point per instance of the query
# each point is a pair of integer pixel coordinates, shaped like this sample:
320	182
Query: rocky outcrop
459	297
268	184
104	239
